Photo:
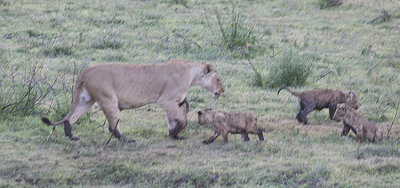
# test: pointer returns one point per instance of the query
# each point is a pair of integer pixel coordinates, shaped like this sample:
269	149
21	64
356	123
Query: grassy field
44	44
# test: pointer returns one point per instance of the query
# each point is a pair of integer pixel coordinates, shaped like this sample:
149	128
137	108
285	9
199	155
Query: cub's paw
73	138
176	137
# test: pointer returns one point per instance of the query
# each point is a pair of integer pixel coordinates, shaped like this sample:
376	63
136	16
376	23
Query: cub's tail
295	93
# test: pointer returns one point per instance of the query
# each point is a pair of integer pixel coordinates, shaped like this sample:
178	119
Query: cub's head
378	135
210	80
203	115
351	100
340	112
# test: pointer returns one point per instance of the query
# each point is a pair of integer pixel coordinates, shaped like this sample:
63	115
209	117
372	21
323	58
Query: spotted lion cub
233	122
352	120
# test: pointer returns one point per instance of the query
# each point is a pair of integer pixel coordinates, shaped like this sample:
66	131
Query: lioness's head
351	100
340	112
203	115
210	80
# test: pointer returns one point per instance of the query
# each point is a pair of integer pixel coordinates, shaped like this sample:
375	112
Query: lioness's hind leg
77	111
110	109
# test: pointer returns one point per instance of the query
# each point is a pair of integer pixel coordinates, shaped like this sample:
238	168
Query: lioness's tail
75	100
295	93
49	123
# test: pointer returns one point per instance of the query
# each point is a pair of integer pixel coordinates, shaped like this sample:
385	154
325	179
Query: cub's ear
199	113
337	106
208	68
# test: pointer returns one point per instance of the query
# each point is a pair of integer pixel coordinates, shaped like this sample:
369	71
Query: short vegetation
255	46
329	3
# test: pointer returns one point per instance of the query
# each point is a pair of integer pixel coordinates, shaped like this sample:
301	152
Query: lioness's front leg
212	138
175	118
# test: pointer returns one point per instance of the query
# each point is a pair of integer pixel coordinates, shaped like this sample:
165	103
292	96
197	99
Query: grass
339	42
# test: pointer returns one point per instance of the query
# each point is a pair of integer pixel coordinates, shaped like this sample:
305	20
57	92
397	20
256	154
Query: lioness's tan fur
232	122
125	86
318	99
352	120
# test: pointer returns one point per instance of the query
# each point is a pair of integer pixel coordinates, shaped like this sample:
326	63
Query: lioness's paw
123	138
74	138
206	142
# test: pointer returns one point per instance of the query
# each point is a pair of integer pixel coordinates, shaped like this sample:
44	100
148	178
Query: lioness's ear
208	68
199	113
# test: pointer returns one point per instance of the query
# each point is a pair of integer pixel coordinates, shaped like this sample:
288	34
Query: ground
346	52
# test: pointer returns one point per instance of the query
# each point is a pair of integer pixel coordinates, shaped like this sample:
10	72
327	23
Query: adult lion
124	86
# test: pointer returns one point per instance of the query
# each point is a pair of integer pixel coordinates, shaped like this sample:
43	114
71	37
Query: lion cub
232	122
364	129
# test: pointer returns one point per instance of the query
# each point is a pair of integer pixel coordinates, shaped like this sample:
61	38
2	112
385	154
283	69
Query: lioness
318	99
124	86
352	120
232	122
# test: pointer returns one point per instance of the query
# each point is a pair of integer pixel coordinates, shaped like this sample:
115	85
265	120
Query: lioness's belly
135	101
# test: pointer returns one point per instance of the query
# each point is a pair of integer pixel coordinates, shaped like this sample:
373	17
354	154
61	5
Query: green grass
338	42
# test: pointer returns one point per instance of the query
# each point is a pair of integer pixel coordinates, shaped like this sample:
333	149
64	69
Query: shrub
110	39
384	17
329	3
22	94
180	2
377	151
291	69
57	49
236	34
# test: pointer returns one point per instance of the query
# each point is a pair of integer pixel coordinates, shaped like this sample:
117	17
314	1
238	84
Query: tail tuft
46	121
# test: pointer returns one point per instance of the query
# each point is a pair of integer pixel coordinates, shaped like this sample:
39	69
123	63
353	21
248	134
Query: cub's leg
260	134
225	136
360	134
307	109
257	131
345	131
298	116
245	137
332	110
212	138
